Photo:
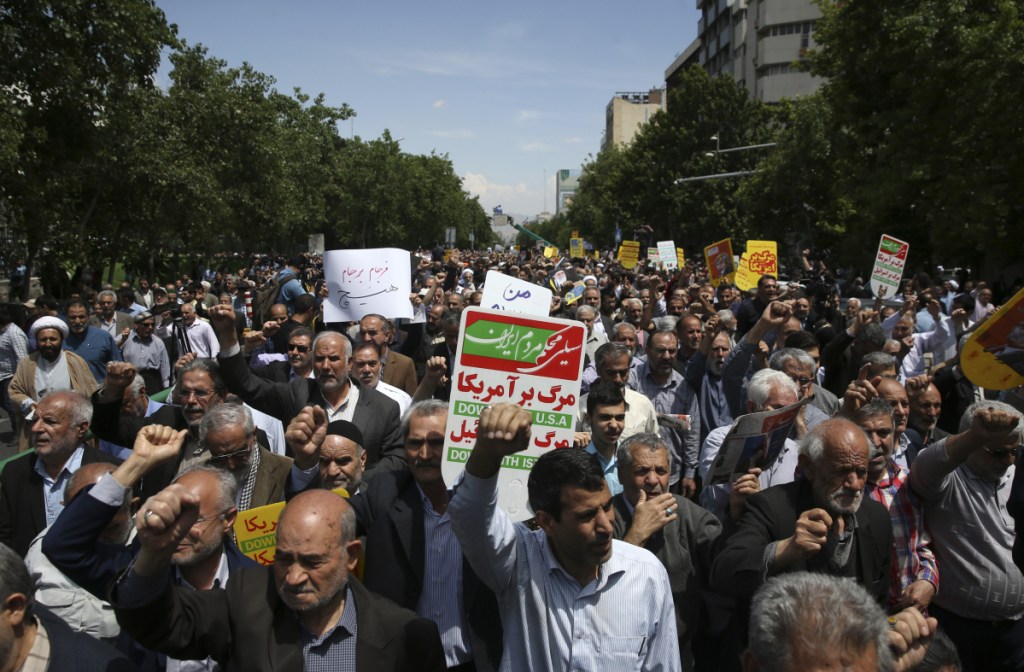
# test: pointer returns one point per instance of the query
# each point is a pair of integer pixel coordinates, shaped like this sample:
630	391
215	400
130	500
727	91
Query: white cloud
454	134
533	146
438	104
513	198
527	115
572	140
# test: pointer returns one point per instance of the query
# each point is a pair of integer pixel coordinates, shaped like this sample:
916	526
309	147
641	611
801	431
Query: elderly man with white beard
821	523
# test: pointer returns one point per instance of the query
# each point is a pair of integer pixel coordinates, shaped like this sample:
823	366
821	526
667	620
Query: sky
511	93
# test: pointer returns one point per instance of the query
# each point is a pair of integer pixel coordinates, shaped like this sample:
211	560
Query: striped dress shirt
622	620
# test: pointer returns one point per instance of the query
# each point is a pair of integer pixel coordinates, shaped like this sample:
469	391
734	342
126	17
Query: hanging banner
361	282
721	266
889	263
993	356
534	362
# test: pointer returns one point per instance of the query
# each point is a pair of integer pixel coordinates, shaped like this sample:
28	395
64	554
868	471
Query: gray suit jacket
686	547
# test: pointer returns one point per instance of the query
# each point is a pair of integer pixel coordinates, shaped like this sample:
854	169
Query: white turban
48	323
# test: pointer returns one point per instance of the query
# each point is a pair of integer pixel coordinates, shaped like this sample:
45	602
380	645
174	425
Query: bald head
319	508
87	474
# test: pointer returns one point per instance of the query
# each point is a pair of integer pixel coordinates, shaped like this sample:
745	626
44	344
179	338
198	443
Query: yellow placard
447	256
763	257
629	253
718	257
256	530
993	357
680	257
576	248
550	252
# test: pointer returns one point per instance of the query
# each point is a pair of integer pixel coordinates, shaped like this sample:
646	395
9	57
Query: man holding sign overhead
571	597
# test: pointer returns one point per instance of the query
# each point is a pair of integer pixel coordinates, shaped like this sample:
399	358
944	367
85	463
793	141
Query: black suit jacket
276	372
247	628
771	515
390	515
376	415
22	509
72	651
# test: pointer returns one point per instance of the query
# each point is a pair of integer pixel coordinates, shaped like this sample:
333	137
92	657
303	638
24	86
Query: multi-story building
760	43
567	181
627	113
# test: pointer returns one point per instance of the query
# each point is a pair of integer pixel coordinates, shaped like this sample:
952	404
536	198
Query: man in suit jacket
341	397
398	370
271	618
199	389
110	320
822	523
25	622
32	487
680	533
402	514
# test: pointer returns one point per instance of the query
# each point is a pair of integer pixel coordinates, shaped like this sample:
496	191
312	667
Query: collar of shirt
428	506
346	624
70	467
604	572
673	377
1003	481
605	464
220	578
894	475
38	659
346	409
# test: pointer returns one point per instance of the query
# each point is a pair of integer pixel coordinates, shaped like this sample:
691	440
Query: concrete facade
627	113
758	42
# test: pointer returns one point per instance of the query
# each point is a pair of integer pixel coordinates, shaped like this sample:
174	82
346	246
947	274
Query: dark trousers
984	646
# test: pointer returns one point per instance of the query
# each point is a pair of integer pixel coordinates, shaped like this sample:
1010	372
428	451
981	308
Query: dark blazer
22	509
771	515
376	415
72	545
110	424
444	392
276	372
390	515
72	651
247	628
400	371
686	547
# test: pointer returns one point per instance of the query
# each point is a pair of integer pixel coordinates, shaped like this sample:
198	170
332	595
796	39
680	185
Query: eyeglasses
235	453
1002	453
200	394
299	348
802	382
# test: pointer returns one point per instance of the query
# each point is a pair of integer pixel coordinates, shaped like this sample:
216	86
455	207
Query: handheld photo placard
993	357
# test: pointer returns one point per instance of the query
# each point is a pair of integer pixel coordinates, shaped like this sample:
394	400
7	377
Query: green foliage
635	186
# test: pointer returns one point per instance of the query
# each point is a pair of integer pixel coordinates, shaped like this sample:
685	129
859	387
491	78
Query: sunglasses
1002	453
299	348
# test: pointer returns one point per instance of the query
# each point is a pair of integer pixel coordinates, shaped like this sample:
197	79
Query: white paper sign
361	282
506	357
667	253
503	292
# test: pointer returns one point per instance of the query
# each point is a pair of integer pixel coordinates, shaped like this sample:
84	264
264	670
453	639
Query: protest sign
667	253
550	252
680	257
576	250
629	253
754	440
256	530
503	292
361	282
889	263
719	260
652	254
574	294
530	361
761	258
993	357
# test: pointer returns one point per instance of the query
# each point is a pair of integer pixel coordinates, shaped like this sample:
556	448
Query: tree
63	65
923	99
